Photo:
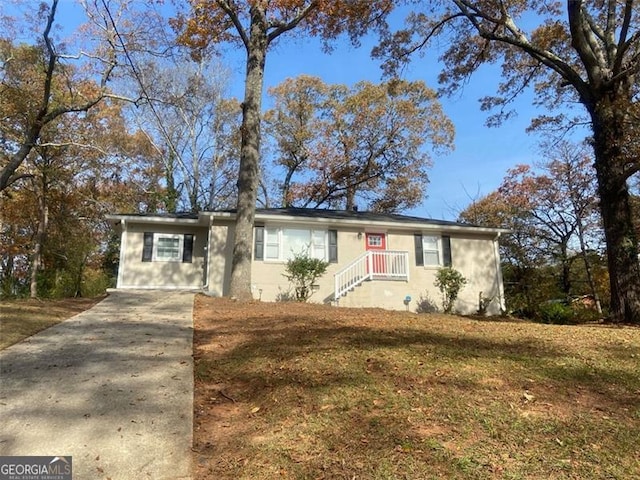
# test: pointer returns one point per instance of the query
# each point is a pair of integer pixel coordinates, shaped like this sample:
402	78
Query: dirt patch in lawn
22	318
287	390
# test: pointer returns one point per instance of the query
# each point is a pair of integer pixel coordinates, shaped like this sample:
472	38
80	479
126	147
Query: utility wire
145	93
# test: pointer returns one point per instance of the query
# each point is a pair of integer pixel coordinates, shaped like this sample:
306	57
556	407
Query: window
167	247
318	244
296	242
272	244
282	244
374	240
432	251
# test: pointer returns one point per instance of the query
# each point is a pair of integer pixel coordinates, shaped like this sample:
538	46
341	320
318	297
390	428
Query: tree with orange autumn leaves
340	145
571	53
42	87
255	25
67	156
52	227
554	224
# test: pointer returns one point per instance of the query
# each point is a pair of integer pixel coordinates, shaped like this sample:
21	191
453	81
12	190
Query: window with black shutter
167	247
432	251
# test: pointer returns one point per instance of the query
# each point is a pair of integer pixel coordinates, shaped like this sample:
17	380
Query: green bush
302	272
67	284
57	284
449	281
555	313
587	315
95	282
12	287
47	281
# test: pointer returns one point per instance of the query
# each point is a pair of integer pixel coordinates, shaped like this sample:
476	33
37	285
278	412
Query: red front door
377	242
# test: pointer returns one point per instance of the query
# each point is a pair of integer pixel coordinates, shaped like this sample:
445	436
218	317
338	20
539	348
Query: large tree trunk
240	286
610	134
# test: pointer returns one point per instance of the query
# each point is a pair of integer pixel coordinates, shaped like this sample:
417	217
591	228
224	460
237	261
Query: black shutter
258	248
333	246
446	250
417	241
147	247
187	248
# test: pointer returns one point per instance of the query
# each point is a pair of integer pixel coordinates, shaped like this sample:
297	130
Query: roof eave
421	226
118	219
205	218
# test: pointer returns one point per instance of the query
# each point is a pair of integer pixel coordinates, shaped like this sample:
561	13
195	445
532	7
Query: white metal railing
372	265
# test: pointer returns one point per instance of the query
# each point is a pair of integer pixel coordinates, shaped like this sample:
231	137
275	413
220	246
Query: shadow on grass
294	337
295	334
369	401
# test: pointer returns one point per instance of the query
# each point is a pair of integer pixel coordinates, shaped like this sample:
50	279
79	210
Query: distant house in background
376	260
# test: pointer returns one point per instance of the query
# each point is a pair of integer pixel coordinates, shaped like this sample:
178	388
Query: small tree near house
449	281
303	271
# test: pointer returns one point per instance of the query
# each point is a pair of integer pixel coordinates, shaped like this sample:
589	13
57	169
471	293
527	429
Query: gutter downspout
207	257
496	254
123	249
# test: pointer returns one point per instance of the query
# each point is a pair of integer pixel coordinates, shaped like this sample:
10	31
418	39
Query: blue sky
482	155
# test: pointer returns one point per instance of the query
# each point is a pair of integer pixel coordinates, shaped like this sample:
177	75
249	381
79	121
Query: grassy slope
308	391
22	318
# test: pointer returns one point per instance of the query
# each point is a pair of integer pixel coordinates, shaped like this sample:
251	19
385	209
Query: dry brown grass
20	319
287	390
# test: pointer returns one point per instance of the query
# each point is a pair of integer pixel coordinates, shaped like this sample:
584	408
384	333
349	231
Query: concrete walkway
112	387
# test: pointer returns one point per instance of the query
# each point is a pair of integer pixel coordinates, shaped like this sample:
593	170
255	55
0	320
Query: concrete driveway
112	387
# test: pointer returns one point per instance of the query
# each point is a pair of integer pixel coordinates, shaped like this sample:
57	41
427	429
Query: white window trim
282	255
157	237
268	242
439	251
